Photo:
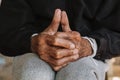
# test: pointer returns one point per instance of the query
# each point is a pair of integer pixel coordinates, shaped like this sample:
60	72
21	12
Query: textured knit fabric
30	67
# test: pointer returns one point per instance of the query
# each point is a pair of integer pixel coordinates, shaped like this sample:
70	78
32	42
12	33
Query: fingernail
72	46
58	11
64	13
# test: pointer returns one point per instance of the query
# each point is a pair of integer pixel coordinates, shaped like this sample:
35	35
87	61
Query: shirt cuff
93	45
35	34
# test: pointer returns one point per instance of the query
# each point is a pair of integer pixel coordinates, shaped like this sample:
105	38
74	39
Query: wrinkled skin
60	48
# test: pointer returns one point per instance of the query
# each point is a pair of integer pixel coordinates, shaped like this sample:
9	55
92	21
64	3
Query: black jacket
99	19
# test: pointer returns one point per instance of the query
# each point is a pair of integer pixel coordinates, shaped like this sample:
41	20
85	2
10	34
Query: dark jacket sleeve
108	42
106	29
16	27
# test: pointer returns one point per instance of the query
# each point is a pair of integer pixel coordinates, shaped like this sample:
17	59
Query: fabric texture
30	67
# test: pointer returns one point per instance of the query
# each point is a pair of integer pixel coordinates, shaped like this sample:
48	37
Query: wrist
34	42
93	44
87	47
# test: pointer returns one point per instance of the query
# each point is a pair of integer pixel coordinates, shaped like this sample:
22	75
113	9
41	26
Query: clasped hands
58	49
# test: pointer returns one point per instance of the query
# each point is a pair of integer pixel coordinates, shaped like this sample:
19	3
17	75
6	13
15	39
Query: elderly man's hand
40	45
83	45
60	48
67	54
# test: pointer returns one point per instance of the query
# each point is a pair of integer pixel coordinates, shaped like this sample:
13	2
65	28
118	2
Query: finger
51	61
65	22
65	35
59	42
64	65
66	60
56	68
60	53
72	35
59	62
55	23
69	59
56	52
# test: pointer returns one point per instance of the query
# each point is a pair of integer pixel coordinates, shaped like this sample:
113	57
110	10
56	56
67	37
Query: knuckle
58	34
76	33
75	57
56	68
75	51
57	54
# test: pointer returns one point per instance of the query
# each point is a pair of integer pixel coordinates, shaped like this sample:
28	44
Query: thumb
65	22
53	27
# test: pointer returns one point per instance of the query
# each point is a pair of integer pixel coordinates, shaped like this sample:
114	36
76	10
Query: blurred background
6	68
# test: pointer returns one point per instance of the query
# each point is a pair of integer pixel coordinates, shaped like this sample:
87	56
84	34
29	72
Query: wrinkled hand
60	48
82	46
40	44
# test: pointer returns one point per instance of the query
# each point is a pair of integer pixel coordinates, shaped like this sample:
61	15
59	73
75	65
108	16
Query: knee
77	74
30	67
80	70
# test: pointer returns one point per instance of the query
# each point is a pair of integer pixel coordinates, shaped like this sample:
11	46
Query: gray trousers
31	67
